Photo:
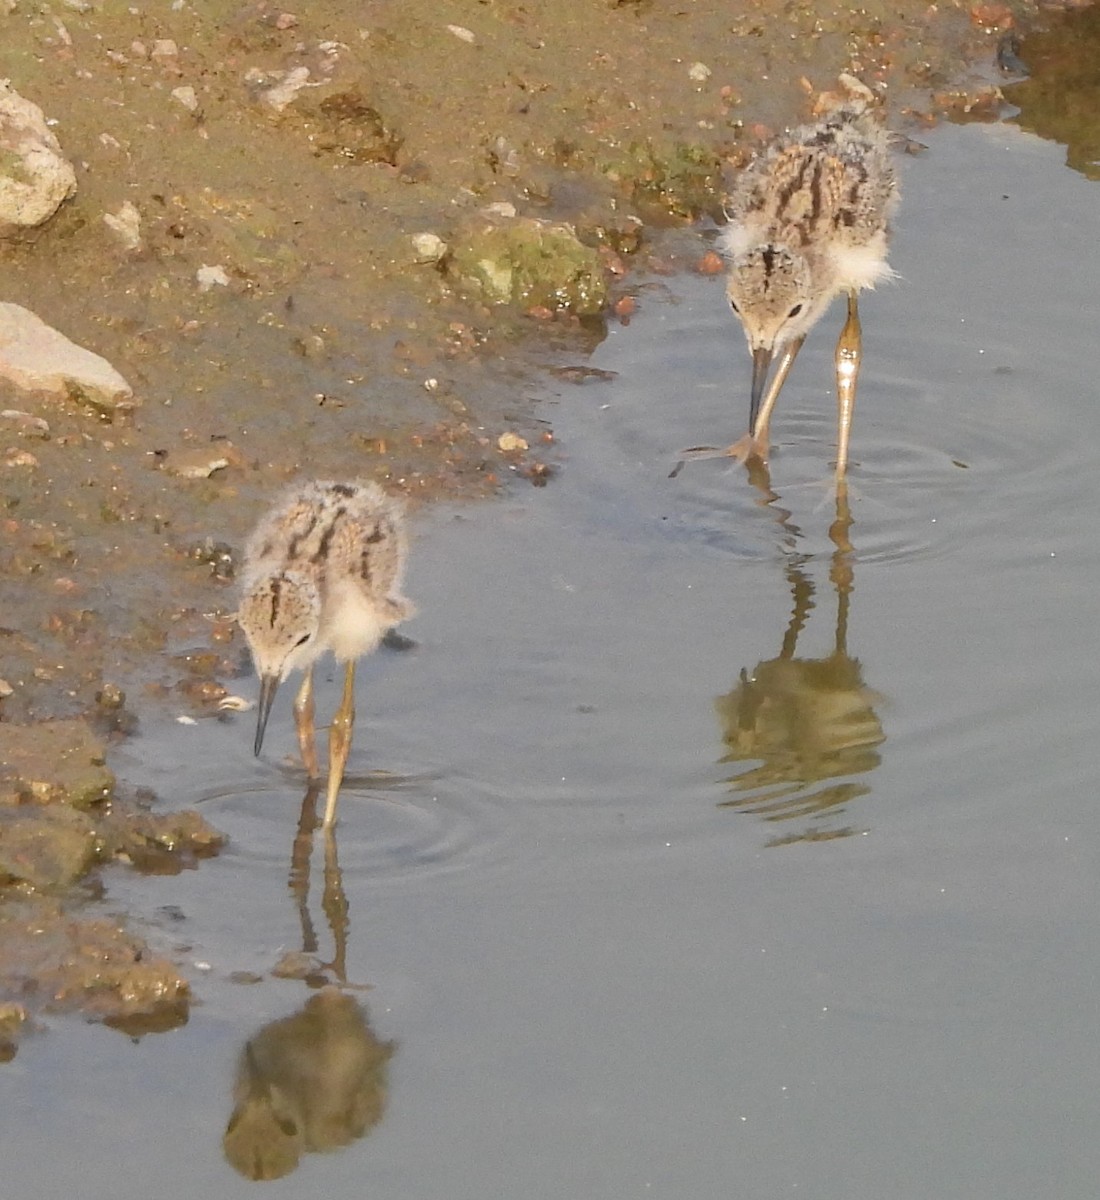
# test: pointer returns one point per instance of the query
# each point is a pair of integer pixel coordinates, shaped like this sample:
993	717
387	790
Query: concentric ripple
936	462
391	825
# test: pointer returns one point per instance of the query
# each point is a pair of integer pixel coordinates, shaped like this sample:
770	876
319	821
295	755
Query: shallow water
659	889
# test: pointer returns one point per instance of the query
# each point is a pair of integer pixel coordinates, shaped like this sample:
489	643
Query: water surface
688	854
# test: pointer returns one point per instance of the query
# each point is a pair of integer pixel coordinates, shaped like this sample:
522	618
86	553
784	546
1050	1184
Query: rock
295	964
26	424
501	208
164	843
55	960
286	87
126	223
348	125
428	247
164	50
187	97
529	263
208	277
54	762
35	177
46	851
13	1016
37	358
196	462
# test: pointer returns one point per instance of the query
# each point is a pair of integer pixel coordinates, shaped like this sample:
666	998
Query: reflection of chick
312	1081
808	719
805	719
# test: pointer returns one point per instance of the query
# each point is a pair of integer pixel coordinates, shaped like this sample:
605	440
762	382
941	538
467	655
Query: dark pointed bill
761	361
269	685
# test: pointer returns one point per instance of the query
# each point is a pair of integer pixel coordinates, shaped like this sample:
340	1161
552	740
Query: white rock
186	96
36	358
35	177
25	423
208	277
428	247
500	208
283	92
462	33
195	463
511	442
126	223
699	72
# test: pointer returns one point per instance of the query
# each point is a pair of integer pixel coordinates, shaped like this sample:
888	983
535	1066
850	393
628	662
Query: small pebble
25	423
282	93
208	277
126	224
429	247
186	96
196	462
502	208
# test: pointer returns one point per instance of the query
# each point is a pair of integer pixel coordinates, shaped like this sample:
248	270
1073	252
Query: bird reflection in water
808	723
312	1081
316	1080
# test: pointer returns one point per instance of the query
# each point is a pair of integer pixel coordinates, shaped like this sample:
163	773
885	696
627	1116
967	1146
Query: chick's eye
733	305
301	641
795	311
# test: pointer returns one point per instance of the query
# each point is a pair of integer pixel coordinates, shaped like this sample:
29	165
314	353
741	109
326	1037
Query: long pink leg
339	744
303	722
755	443
849	352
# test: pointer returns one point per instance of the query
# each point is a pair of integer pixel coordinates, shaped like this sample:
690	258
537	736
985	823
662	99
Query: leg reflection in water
315	1080
809	724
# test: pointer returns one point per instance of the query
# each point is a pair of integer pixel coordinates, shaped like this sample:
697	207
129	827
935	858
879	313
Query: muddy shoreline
280	313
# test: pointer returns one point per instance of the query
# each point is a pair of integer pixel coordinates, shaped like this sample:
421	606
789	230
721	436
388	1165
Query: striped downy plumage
808	221
322	571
